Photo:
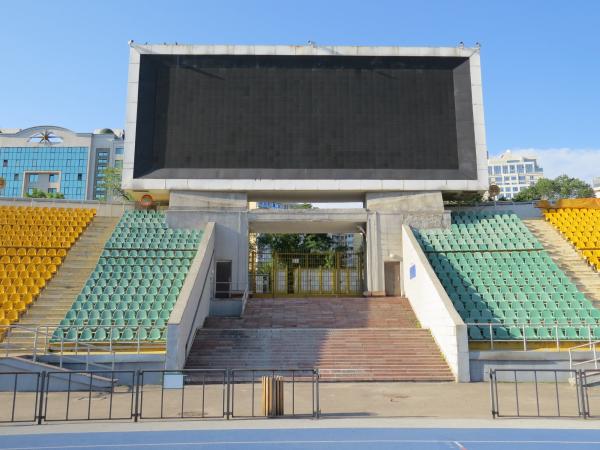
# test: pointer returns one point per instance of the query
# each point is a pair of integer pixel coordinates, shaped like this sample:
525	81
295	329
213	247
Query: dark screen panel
340	117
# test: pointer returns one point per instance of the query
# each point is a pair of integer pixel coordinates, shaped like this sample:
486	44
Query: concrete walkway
414	401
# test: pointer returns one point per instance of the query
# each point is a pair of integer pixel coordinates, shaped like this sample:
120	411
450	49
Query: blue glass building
57	160
64	169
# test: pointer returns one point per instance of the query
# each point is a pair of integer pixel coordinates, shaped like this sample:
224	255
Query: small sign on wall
412	271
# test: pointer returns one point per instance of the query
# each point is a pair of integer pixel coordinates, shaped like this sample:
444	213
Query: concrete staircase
58	295
567	258
348	339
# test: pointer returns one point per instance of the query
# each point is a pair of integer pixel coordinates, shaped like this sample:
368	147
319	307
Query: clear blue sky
65	62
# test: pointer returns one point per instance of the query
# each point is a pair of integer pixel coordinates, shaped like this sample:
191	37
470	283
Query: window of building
33	177
497	170
521	179
512	168
528	168
490	170
119	163
5	163
515	189
16	177
53	178
504	169
51	190
520	168
79	177
119	151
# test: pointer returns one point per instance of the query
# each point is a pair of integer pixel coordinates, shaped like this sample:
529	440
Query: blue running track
316	439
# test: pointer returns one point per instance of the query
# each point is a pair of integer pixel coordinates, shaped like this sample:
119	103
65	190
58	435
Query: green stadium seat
141	268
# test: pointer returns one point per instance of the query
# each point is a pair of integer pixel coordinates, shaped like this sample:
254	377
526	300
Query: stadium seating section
581	227
33	244
496	272
132	291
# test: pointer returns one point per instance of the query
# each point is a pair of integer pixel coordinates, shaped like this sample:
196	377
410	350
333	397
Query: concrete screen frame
351	188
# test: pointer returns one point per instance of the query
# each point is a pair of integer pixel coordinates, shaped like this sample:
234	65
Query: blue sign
412	270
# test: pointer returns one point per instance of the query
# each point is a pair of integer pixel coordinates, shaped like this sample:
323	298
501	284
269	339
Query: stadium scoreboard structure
304	118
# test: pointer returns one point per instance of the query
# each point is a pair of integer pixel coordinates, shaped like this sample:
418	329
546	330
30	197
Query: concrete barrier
193	304
524	210
433	307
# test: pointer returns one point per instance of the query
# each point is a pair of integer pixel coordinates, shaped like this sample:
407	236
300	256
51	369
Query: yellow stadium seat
33	243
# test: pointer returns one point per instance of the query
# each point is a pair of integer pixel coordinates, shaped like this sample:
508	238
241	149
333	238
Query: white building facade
512	173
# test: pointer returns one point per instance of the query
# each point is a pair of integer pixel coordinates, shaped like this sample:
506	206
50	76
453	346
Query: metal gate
538	393
306	274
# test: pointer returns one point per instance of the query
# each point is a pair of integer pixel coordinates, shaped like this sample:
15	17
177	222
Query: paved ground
421	416
425	400
352	437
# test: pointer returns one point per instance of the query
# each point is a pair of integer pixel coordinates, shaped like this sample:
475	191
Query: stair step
59	294
348	339
567	258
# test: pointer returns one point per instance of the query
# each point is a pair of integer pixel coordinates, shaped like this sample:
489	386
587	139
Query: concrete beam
307	220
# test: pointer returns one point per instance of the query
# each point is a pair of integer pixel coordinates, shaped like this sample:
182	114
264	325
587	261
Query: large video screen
304	117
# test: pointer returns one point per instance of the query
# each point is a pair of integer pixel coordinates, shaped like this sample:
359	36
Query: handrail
524	339
64	352
245	300
592	346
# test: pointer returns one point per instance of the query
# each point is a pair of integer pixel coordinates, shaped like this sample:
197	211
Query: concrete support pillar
387	212
374	268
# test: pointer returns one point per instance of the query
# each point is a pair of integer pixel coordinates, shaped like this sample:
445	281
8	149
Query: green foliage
37	193
560	187
112	183
297	243
465	199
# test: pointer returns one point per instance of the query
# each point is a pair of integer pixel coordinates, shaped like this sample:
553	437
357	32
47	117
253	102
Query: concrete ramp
59	381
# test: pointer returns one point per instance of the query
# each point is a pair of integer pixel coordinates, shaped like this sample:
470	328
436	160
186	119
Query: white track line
288	442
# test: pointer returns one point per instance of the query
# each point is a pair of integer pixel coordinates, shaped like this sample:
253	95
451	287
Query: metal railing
20	394
88	395
592	347
527	393
150	394
183	394
245	298
39	342
43	346
523	339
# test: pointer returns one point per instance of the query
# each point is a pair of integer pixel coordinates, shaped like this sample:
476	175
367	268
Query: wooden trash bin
272	396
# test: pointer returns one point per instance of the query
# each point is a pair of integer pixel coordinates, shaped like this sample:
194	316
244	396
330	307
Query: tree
112	183
560	187
37	193
296	243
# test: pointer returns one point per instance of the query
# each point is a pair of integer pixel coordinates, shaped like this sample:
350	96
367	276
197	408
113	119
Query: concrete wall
193	303
229	212
433	307
523	210
387	212
103	209
482	361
